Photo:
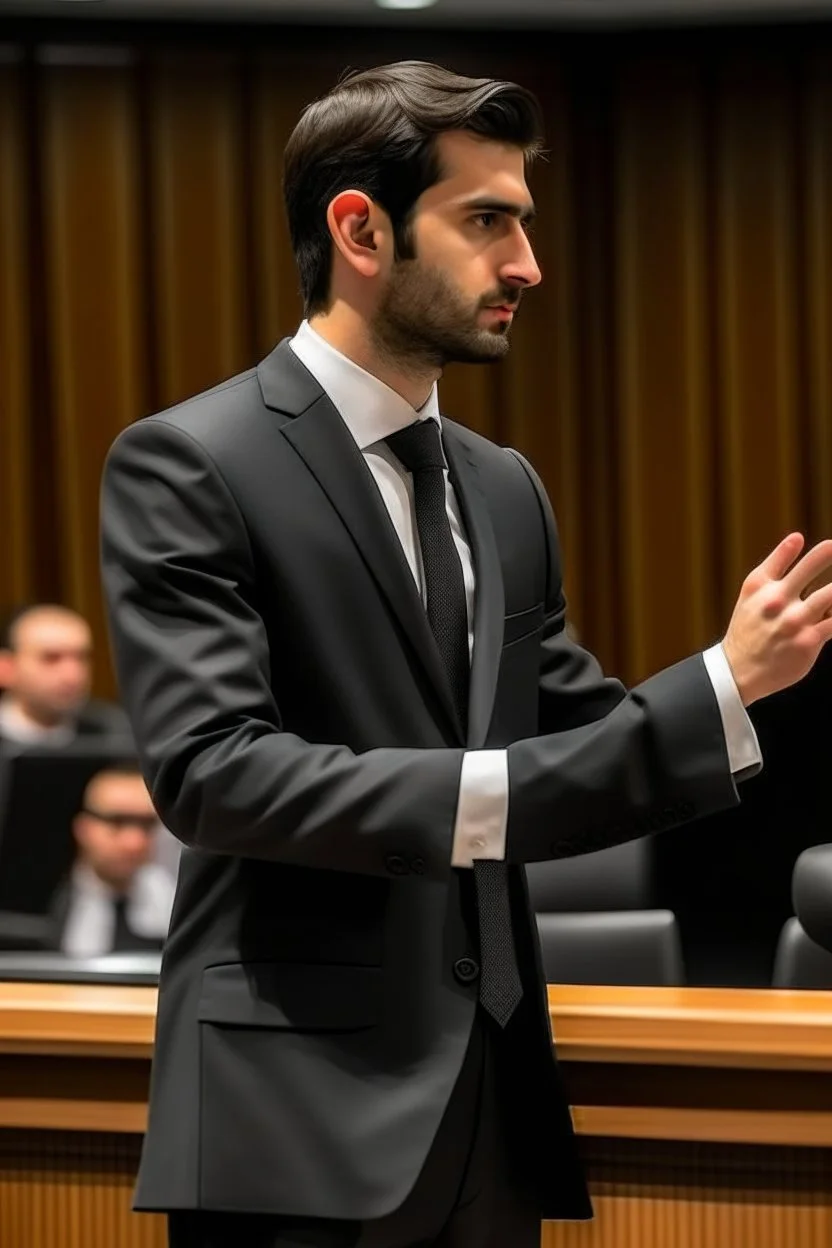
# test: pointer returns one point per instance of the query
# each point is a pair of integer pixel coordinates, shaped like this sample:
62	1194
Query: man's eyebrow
525	214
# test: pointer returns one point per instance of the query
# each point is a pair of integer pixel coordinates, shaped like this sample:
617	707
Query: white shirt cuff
740	737
482	810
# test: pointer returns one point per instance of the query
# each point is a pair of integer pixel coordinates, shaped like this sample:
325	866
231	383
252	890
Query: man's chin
486	350
66	714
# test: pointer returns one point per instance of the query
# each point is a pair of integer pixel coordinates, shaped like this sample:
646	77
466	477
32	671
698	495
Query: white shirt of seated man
115	832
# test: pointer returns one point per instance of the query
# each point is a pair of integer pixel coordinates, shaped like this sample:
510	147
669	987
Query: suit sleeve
192	661
609	765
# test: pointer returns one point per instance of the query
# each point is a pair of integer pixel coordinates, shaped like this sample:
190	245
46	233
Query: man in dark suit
45	666
339	629
116	899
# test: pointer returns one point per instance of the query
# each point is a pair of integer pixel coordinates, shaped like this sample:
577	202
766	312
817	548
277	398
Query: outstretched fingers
776	565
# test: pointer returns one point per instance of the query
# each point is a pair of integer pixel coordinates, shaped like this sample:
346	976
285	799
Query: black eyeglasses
120	820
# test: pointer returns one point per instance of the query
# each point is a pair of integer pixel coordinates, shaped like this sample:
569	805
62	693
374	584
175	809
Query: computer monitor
54	968
41	791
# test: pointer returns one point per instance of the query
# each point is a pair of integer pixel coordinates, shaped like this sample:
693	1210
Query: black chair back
812	894
609	879
799	962
638	947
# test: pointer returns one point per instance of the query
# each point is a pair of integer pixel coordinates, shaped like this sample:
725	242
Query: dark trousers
470	1193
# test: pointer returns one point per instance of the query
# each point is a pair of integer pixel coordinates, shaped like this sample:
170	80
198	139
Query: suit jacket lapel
489	610
322	440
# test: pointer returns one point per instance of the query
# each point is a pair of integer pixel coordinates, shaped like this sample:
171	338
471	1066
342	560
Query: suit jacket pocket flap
291	996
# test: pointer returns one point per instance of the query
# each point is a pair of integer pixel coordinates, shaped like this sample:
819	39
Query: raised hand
779	625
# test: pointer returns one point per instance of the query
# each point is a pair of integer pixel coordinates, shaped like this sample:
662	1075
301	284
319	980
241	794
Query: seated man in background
116	899
45	663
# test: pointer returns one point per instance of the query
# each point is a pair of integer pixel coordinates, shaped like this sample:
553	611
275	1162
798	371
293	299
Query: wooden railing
705	1116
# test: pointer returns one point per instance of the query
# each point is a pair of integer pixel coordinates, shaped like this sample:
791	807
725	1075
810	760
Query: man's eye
486	219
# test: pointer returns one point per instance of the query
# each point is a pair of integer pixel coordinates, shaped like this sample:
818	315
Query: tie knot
419	446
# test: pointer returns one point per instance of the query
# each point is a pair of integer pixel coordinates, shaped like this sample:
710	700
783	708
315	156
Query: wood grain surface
705	1116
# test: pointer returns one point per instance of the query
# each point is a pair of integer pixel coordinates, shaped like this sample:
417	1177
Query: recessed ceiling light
405	4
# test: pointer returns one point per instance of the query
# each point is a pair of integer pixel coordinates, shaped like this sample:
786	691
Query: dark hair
116	767
123	766
375	132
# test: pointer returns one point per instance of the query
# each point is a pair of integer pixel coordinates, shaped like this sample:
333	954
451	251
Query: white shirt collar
149	879
368	407
88	883
15	726
90	922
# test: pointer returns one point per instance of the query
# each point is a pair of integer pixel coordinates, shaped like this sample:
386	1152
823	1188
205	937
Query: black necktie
419	447
125	940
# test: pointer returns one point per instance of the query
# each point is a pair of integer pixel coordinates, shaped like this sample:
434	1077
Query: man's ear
354	223
78	830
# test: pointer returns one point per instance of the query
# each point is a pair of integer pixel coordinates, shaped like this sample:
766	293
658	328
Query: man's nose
521	270
134	841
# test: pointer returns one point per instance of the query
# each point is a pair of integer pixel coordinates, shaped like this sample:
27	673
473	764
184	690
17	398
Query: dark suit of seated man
45	661
116	899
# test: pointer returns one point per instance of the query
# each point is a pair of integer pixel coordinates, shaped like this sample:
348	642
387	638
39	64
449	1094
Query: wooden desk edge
77	1019
591	1024
693	1027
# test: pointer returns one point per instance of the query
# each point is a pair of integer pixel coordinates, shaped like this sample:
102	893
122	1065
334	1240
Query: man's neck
348	333
19	723
85	874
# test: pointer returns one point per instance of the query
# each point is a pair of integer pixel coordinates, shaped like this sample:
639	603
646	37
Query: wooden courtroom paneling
663	361
16	518
94	289
197	195
277	95
650	1194
591	534
817	259
733	1103
686	1154
671	380
539	375
72	1190
758	396
689	1104
77	1093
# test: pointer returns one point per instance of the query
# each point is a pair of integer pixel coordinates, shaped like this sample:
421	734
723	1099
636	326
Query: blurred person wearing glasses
117	899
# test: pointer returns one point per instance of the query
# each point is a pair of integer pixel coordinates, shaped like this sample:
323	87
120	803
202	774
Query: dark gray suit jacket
298	735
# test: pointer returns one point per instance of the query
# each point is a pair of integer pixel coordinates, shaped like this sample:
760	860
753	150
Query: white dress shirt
14	726
372	411
90	925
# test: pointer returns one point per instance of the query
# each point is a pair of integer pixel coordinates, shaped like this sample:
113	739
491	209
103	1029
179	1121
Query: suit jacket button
396	865
466	970
417	866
